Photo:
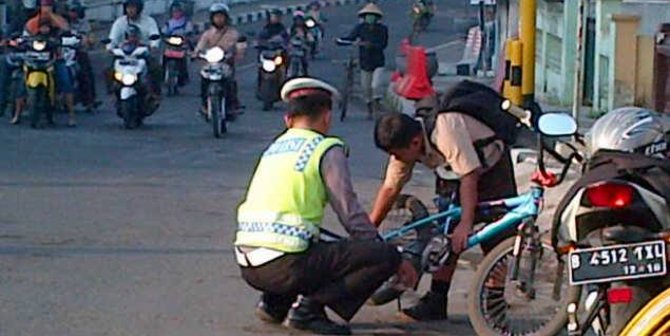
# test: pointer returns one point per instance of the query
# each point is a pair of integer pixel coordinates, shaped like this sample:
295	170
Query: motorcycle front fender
127	92
37	78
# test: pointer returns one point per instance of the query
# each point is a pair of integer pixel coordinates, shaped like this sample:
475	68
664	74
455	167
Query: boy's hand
459	239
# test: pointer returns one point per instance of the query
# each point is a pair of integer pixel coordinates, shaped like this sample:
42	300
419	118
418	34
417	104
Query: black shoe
310	316
271	314
431	307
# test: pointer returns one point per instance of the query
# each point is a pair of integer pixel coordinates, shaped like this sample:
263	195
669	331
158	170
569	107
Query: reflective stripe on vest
286	198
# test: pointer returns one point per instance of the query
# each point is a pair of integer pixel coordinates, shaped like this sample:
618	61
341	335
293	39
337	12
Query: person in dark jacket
274	29
372	37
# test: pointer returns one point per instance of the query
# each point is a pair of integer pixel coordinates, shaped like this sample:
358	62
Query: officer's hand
407	275
459	239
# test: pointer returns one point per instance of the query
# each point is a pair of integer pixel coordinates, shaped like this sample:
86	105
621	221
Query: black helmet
76	6
176	5
137	3
276	11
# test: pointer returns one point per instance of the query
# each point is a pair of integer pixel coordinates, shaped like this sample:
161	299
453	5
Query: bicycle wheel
346	90
498	306
406	210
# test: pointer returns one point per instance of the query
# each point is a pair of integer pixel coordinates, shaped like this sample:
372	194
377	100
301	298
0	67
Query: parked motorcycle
218	75
297	58
610	224
130	72
38	67
271	73
174	57
314	29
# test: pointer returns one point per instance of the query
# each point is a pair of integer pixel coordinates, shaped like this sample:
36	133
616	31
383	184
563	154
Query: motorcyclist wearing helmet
75	16
46	22
372	37
274	29
314	12
179	24
300	31
133	15
132	10
224	35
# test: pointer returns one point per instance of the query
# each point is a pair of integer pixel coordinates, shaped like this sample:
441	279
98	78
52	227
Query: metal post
577	93
528	11
517	72
481	63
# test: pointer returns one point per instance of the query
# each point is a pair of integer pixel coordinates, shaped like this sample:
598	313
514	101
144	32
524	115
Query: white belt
257	257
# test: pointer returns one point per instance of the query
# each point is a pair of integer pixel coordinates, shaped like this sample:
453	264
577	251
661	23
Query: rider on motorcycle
225	36
75	16
299	30
274	29
314	12
133	15
49	24
179	24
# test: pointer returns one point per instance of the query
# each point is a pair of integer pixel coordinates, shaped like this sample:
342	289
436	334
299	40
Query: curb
255	16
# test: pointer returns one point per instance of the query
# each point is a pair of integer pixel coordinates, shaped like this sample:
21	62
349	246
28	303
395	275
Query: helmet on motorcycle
371	8
629	129
139	4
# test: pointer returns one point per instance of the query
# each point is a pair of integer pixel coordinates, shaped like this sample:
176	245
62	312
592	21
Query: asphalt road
105	231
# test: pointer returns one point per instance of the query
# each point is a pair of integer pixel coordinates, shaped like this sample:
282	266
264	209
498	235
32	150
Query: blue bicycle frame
518	209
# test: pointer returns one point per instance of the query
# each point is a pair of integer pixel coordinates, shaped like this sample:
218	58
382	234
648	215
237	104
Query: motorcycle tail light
279	60
619	295
610	195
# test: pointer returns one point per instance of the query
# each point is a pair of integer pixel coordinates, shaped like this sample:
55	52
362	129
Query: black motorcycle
271	73
297	58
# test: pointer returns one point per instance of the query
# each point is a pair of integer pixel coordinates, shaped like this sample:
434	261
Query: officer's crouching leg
347	296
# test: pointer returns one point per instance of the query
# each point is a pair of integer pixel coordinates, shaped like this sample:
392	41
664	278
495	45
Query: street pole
528	10
482	50
577	85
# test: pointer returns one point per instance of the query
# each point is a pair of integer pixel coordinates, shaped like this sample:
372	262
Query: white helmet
219	7
629	129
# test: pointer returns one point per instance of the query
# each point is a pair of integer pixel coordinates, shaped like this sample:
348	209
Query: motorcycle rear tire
172	78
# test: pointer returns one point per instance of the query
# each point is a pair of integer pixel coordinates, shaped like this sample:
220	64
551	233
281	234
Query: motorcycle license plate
618	262
174	53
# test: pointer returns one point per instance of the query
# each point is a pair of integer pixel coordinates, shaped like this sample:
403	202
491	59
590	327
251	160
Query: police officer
277	242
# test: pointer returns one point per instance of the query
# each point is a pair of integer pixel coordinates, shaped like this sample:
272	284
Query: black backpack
478	101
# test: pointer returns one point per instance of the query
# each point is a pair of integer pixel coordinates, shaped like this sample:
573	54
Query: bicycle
424	240
350	65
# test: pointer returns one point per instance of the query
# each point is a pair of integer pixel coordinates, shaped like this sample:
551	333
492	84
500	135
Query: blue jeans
64	80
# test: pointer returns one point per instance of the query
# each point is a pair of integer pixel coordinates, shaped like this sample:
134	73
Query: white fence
108	10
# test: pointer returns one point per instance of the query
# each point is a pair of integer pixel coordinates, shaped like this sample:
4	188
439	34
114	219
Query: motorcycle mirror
154	37
556	124
242	39
106	41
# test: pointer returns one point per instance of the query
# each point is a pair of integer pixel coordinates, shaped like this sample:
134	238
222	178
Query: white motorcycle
130	72
219	77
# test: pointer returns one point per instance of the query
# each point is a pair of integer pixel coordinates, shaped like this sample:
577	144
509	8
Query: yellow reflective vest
286	198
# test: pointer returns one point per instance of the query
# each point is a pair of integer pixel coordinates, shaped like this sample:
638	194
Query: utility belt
255	256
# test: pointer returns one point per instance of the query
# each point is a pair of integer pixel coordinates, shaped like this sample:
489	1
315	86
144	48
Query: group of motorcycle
31	62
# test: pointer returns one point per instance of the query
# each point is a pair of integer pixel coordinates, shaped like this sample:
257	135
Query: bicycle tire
479	322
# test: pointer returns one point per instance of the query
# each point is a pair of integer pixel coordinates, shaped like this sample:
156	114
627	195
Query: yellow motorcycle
38	66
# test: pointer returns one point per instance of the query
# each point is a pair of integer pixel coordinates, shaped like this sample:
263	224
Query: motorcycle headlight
126	79
269	66
279	60
310	23
214	55
39	45
175	40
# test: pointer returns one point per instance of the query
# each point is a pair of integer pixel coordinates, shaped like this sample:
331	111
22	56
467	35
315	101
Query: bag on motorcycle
478	101
608	165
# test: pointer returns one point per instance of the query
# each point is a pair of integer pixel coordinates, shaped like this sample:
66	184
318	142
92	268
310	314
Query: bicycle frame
519	208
